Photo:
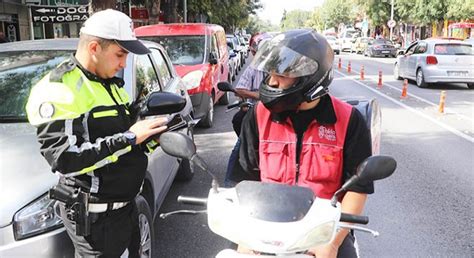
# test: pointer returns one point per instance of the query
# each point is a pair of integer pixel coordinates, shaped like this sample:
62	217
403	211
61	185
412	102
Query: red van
199	53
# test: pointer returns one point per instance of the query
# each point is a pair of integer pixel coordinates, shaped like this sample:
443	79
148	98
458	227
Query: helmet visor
276	58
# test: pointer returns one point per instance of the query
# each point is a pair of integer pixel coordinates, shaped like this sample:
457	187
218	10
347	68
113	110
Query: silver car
336	47
437	61
29	226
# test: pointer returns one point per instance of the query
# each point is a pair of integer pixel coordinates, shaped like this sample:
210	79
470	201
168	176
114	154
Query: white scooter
273	219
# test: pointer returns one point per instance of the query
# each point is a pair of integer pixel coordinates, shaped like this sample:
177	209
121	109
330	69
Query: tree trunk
97	5
170	10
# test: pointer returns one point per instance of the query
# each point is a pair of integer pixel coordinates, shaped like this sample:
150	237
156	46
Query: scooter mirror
225	86
371	169
376	168
177	145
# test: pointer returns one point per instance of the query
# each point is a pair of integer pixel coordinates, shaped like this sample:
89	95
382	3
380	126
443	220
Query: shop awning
461	25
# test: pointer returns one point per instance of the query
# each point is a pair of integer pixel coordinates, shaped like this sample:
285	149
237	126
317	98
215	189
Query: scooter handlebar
192	200
350	218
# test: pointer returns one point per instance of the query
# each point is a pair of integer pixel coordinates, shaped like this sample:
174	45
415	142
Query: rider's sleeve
67	151
247	167
357	148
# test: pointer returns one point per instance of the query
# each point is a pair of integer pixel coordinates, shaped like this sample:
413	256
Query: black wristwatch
131	137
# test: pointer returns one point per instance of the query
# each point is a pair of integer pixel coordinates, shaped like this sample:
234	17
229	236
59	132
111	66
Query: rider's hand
145	128
324	251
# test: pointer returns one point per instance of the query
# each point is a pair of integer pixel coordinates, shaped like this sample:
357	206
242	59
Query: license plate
385	52
458	73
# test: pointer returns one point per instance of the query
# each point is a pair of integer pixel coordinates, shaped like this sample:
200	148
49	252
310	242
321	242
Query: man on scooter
299	134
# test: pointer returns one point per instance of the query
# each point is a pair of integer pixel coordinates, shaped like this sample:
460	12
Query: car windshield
453	49
182	50
19	71
382	42
352	34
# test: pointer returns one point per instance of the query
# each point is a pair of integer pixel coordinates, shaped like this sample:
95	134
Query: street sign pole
31	24
391	18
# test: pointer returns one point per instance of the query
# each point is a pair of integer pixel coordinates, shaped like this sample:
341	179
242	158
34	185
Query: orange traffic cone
362	73
404	89
339	64
349	67
442	100
379	84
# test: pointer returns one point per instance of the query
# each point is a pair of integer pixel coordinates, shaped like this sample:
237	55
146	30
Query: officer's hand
146	128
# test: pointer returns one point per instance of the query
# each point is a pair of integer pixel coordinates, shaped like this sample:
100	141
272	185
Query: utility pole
391	18
186	11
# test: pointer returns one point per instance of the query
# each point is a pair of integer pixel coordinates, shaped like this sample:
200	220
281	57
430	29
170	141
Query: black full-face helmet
302	54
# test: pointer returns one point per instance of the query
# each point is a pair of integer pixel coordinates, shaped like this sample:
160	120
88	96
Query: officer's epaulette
57	73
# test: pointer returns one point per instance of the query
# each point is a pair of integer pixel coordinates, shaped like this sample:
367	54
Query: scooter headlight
320	235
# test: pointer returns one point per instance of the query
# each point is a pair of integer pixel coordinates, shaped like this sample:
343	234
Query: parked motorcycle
269	218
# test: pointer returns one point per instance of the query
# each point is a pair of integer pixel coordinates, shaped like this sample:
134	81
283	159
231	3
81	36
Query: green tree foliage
256	24
295	19
334	12
231	14
460	9
316	21
378	11
428	11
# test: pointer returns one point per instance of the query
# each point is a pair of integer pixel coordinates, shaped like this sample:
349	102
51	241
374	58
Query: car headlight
36	218
193	79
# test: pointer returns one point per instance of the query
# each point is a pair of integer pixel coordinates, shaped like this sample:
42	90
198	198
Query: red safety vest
321	158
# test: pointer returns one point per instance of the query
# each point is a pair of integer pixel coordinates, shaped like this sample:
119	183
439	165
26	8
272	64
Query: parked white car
437	61
334	43
347	37
29	226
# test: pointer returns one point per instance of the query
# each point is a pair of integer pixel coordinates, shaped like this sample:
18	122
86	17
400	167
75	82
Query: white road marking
375	78
447	127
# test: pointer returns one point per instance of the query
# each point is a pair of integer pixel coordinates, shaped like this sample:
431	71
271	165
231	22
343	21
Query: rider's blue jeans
234	155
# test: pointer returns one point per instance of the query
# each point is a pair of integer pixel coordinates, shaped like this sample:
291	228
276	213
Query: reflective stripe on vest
110	159
321	159
67	99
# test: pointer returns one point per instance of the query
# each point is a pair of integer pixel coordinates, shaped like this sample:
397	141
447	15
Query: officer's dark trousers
111	233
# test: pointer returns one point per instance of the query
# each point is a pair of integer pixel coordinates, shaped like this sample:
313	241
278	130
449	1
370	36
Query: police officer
298	134
84	127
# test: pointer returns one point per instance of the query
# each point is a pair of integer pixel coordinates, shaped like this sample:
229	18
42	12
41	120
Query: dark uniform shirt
94	139
357	145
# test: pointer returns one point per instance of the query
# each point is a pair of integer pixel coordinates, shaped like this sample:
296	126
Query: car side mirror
213	58
232	54
161	103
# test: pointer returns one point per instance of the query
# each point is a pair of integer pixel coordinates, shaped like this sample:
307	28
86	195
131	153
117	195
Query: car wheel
206	122
470	85
396	72
145	223
420	79
185	173
338	52
224	100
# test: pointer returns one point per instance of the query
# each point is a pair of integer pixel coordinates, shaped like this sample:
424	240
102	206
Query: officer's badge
46	110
